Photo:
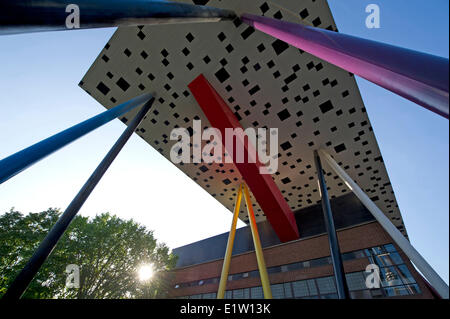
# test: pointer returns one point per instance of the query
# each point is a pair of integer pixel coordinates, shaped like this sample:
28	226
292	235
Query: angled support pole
258	249
21	282
429	273
16	163
227	259
419	77
256	241
22	16
338	266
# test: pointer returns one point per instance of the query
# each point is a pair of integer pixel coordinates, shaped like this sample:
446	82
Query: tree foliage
107	249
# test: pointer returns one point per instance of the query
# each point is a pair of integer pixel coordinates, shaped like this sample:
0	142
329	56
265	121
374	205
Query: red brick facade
350	239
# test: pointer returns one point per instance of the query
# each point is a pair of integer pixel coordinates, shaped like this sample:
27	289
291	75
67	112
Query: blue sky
39	96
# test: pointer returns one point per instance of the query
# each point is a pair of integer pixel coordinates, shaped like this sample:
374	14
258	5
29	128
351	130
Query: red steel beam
264	189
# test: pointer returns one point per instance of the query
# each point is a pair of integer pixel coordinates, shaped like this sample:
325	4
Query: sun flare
145	272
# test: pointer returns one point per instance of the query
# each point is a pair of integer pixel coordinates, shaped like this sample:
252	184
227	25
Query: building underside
265	83
317	219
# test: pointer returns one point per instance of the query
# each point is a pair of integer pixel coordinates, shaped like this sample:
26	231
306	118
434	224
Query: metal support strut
21	282
21	16
338	267
420	262
256	241
418	77
17	162
227	259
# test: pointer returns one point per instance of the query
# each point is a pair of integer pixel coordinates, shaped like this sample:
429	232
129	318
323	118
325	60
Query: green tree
107	249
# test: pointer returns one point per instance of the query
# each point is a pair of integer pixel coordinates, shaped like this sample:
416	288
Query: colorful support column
21	282
420	262
16	163
418	77
338	266
21	16
258	249
256	241
263	187
227	259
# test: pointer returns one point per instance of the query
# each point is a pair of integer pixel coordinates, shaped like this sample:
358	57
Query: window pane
390	248
405	275
359	254
312	287
295	266
356	281
228	294
319	262
347	256
378	250
238	294
326	285
257	293
287	290
273	270
361	294
353	255
300	289
209	296
376	293
247	293
238	276
379	261
277	291
209	281
413	289
396	259
384	260
396	291
389	277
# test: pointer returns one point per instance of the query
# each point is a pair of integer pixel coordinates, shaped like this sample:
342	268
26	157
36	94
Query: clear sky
39	96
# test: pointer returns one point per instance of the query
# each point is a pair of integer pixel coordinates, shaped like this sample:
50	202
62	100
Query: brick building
302	268
230	75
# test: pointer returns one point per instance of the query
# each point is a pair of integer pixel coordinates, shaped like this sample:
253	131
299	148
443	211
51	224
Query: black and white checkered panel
266	83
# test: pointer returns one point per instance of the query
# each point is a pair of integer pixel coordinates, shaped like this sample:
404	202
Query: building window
300	289
356	281
326	285
278	291
287	290
256	293
389	277
396	279
238	294
312	287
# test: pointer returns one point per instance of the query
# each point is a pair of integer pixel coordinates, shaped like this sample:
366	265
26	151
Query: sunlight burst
145	272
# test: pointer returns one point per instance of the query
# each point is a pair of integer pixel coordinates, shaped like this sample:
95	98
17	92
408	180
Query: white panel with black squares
265	82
